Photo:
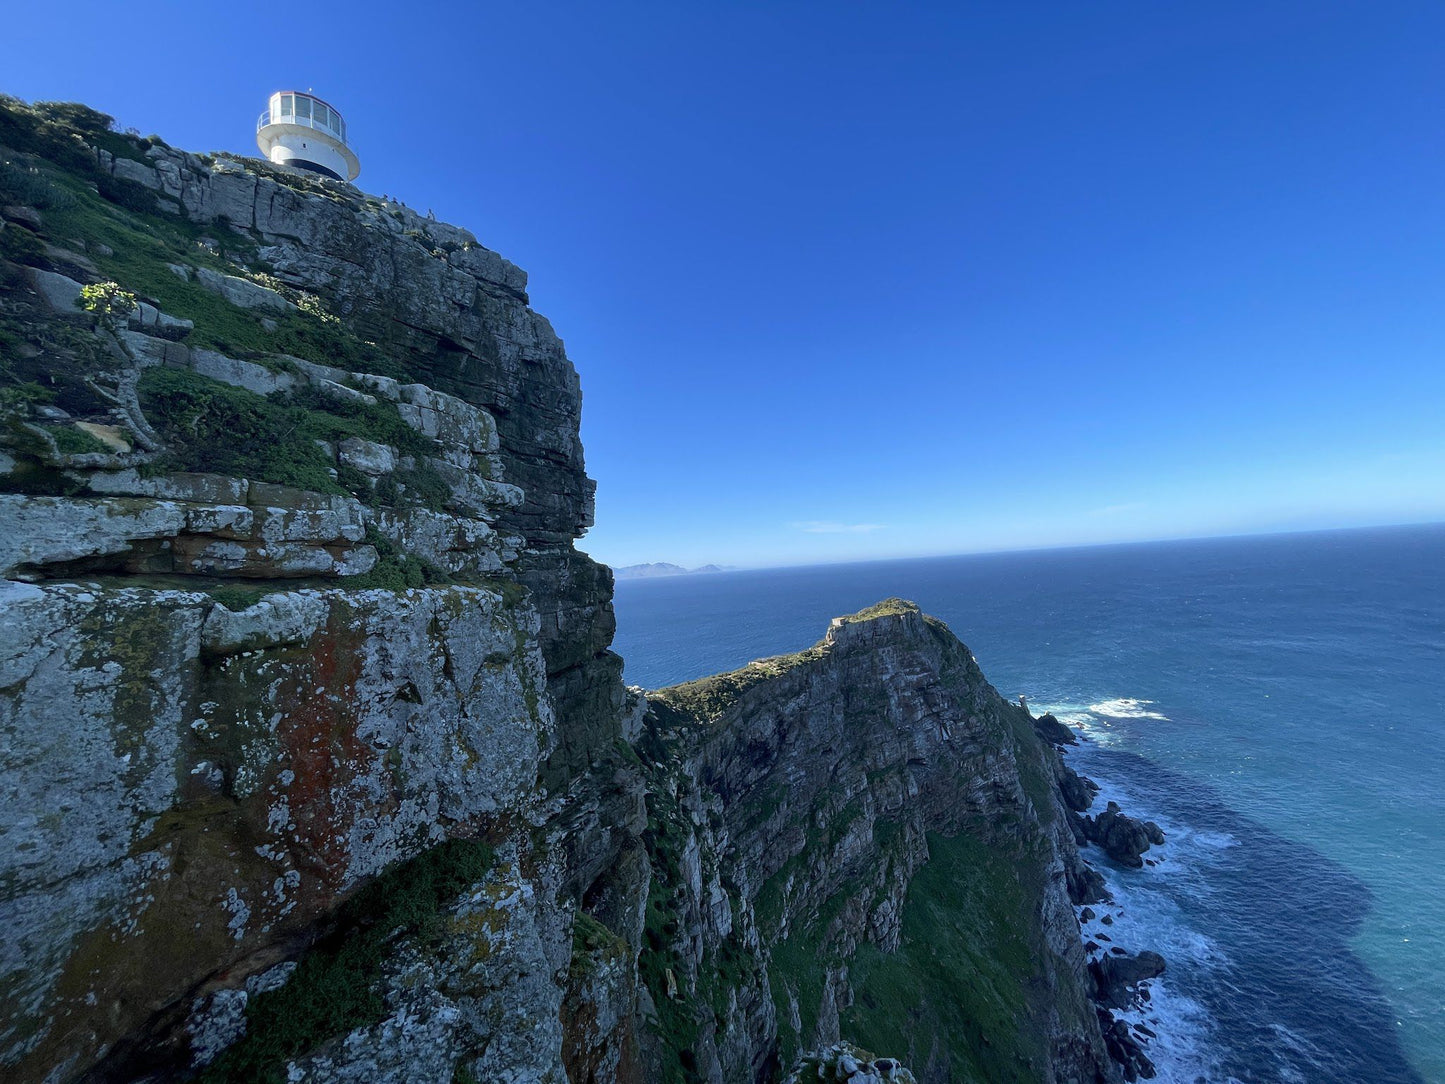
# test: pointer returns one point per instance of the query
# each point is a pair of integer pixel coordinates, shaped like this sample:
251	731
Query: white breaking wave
1185	1047
1081	718
1126	708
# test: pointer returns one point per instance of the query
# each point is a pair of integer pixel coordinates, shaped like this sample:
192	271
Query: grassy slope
47	161
958	988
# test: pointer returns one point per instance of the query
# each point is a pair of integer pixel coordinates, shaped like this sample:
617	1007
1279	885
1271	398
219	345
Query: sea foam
1126	708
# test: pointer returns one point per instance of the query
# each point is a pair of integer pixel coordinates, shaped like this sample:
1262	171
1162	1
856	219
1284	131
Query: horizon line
1061	547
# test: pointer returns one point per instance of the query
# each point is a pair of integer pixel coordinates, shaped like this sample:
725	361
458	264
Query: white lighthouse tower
301	130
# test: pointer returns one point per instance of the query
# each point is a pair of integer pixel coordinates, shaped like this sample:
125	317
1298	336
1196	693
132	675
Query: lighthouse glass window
287	108
319	114
303	108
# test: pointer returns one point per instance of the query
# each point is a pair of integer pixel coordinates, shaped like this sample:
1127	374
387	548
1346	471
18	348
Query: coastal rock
1122	837
1116	977
1056	733
843	1062
1077	790
1125	1049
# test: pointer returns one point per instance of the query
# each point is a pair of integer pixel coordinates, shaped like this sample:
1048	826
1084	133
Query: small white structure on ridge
301	130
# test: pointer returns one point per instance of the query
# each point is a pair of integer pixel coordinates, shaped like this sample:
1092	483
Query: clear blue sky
848	280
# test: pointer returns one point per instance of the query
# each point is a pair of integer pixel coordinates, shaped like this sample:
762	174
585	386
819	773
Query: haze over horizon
714	567
848	284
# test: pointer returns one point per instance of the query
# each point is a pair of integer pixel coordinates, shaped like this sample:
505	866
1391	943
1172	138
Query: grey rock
150	350
241	374
1124	838
22	215
1116	977
48	530
274	621
243	293
128	169
59	292
195	488
367	456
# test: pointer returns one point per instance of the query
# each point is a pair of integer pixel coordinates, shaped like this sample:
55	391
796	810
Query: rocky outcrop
1054	732
1121	836
1116	978
848	1065
832	833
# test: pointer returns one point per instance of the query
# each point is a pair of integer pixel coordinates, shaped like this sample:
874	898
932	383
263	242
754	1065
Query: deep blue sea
1277	704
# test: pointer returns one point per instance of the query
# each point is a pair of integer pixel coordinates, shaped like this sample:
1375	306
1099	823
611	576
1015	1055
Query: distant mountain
662	568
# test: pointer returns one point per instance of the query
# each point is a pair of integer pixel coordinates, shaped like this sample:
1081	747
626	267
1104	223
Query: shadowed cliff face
316	763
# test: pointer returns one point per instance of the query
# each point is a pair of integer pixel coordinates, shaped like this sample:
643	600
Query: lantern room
303	131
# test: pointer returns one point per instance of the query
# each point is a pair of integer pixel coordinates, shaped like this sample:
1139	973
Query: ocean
1276	703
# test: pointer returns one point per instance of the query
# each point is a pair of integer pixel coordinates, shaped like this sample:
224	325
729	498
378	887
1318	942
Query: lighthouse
303	131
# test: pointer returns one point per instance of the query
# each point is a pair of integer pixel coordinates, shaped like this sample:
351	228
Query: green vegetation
237	598
60	132
966	973
889	607
23	394
19	244
216	427
333	989
422	485
72	440
677	1023
107	300
395	571
133	242
708	698
591	938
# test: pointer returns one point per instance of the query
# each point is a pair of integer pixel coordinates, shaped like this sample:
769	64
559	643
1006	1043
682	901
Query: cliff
838	837
316	763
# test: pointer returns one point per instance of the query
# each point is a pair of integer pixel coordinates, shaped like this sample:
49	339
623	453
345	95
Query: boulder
241	374
368	456
1122	837
243	293
1054	732
28	217
128	169
1124	1048
59	292
1116	977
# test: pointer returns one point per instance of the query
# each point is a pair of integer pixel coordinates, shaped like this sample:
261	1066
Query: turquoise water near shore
1276	703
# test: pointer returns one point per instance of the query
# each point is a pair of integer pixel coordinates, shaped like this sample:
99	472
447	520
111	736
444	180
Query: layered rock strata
834	833
289	479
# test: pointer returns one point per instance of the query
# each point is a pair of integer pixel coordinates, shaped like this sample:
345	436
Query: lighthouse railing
267	117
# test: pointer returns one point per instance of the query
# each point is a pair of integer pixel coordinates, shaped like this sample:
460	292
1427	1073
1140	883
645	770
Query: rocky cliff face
316	763
862	841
